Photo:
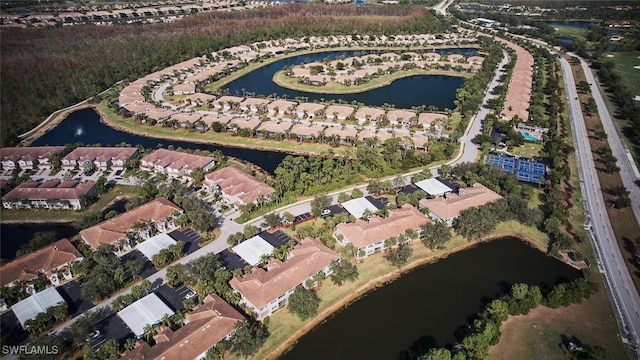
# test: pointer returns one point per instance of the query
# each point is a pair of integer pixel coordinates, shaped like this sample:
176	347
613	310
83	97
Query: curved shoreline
366	87
381	280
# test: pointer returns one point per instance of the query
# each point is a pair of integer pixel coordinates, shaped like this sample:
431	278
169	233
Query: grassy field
625	61
539	334
66	215
570	31
527	150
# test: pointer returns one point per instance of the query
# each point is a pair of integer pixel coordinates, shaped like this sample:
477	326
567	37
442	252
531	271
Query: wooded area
46	69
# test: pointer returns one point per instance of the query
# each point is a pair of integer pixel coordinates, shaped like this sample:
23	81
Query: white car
92	335
191	294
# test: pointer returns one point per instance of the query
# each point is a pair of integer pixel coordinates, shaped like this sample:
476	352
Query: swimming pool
528	136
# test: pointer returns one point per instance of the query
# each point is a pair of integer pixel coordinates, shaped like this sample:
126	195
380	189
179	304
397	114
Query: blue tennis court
524	170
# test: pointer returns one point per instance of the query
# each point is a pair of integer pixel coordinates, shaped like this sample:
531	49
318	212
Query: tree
435	235
319	203
288	217
198	176
272	219
498	310
437	354
303	302
248	338
110	349
342	271
400	255
343	197
356	193
149	331
250	231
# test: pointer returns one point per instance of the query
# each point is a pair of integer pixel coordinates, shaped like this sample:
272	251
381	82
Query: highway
610	261
622	291
627	168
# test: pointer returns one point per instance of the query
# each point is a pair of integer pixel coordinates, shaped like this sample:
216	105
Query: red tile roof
46	259
207	324
363	233
260	286
237	183
452	205
53	189
107	232
16	154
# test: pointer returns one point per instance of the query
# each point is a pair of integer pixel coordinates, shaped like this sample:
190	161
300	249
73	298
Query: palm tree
167	320
178	318
130	344
281	252
149	331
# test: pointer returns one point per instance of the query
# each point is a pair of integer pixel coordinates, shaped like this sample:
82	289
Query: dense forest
47	69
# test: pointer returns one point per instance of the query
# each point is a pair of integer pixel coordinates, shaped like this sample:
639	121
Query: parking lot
111	328
174	297
190	237
71	292
276	239
334	210
302	217
231	261
148	268
12	331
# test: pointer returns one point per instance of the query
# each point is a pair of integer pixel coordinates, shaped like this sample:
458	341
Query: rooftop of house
16	154
275	126
363	233
452	205
100	153
108	231
53	189
27	267
177	159
236	182
261	286
205	326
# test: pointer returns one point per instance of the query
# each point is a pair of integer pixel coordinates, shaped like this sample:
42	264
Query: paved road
618	147
611	262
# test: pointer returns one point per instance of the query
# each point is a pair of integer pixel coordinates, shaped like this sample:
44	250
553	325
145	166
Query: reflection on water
426	307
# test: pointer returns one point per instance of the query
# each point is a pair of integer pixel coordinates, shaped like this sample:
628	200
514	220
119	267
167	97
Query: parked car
190	295
325	212
92	335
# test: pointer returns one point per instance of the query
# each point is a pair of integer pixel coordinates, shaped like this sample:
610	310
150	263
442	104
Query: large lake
403	93
428	306
84	126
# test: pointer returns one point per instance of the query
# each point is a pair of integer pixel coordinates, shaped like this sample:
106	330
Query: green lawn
527	150
67	215
625	61
570	31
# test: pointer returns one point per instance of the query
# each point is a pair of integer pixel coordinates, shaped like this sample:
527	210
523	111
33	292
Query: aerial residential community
326	179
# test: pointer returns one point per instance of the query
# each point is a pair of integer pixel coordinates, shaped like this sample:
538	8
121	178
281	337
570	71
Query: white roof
153	245
35	304
147	311
356	207
252	249
433	187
